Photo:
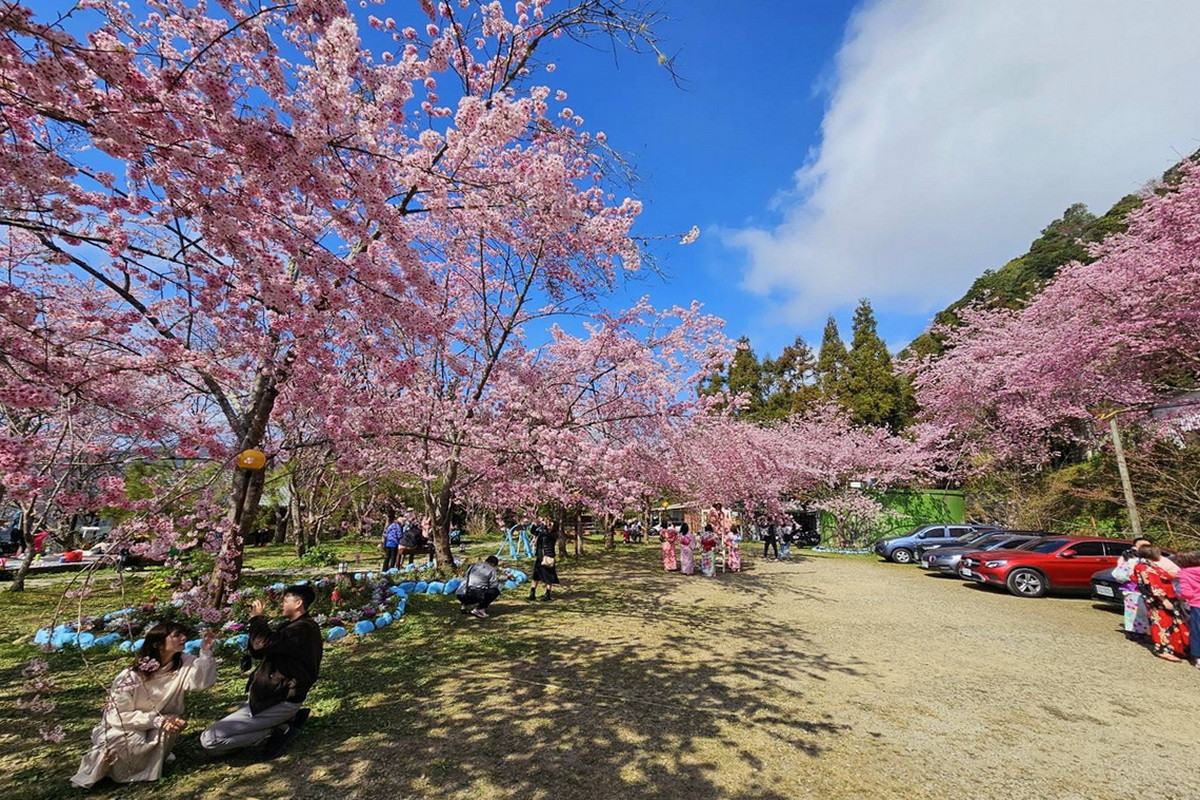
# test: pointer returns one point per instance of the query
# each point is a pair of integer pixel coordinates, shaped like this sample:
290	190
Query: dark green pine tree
873	393
789	382
830	372
746	379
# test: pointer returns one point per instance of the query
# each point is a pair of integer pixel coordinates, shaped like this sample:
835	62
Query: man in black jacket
291	661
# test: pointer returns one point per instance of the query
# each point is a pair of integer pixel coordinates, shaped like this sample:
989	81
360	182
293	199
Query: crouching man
479	587
290	661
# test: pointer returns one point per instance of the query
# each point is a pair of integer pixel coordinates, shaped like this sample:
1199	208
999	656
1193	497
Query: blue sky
888	149
891	149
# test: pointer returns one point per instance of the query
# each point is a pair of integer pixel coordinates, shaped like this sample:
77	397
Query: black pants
478	597
389	558
771	544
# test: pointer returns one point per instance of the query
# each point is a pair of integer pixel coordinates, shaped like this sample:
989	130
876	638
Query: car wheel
1026	583
902	555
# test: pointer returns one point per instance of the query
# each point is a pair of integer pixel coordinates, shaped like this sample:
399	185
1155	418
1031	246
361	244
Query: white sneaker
479	612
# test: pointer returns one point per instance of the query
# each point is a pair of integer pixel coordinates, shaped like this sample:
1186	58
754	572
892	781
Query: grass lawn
368	685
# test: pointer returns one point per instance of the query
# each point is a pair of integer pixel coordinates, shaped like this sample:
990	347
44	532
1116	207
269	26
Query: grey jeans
243	729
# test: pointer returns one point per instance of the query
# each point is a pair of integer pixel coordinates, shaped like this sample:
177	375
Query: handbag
547	561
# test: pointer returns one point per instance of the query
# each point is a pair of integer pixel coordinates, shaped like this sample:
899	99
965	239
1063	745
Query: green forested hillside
1064	240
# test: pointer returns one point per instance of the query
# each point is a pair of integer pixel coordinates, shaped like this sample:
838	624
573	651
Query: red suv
1052	562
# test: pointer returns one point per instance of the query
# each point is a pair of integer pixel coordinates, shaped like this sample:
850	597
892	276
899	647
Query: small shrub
319	555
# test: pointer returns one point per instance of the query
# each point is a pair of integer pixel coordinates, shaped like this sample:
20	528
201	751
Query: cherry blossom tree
262	204
1118	333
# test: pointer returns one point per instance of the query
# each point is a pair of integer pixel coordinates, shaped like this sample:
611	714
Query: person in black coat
290	663
771	540
544	569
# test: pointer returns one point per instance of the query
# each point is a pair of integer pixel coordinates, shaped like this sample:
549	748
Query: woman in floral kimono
687	560
708	546
1168	621
733	550
144	712
668	536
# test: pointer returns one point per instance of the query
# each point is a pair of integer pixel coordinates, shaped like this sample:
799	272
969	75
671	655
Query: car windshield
1042	545
991	541
1009	543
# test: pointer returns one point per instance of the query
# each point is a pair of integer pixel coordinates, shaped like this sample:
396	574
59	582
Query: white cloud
956	129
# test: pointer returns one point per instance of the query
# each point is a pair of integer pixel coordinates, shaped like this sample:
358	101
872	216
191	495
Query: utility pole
1135	521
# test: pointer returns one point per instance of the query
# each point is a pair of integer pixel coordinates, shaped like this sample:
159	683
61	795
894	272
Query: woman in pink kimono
733	550
687	560
708	546
668	536
144	712
720	519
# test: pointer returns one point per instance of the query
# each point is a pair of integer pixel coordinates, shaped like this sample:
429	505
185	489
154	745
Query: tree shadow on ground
597	694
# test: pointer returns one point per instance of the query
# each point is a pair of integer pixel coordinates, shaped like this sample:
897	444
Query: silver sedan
945	559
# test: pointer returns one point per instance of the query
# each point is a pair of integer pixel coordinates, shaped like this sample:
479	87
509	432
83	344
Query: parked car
1106	588
903	549
968	541
945	559
1048	564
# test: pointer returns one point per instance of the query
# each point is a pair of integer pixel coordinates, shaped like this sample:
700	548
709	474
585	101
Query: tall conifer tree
873	393
831	362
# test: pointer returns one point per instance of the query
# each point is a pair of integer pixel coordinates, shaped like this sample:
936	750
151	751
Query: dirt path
826	678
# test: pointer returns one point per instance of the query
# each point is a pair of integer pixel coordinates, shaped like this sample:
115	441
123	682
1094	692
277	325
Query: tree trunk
560	521
439	506
281	524
610	543
27	529
296	513
247	490
18	584
578	533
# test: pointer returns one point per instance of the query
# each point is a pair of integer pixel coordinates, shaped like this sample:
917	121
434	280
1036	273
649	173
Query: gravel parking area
964	691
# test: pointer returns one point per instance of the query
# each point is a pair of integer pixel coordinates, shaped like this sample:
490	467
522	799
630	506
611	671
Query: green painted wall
924	506
909	508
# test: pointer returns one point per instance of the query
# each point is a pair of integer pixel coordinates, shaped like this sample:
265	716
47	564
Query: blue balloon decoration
399	591
42	637
452	586
85	640
383	620
409	587
125	646
510	584
191	647
107	640
335	633
363	627
435	587
421	587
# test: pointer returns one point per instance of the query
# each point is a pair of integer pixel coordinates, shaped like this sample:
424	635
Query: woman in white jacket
144	712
